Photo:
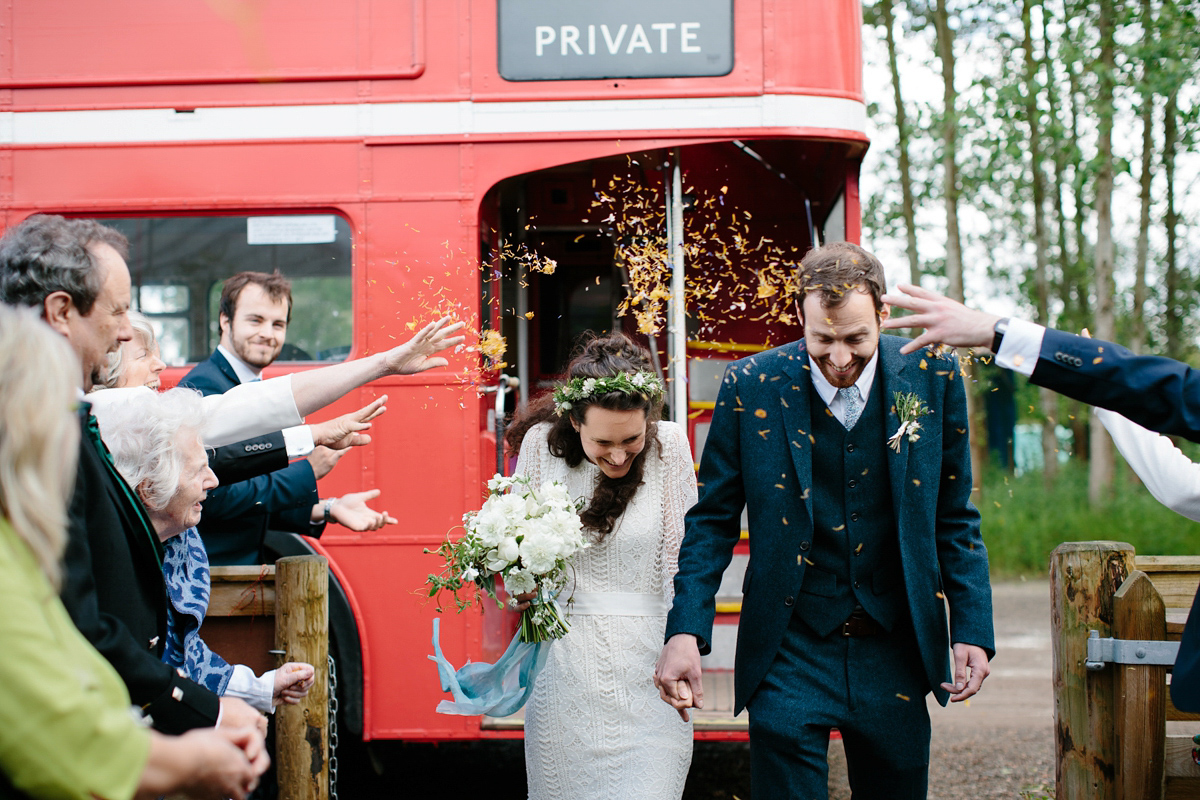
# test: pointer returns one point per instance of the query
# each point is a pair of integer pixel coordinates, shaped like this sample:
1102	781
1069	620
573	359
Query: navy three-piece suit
855	551
1157	393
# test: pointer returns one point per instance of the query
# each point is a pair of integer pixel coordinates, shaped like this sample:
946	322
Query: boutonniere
910	409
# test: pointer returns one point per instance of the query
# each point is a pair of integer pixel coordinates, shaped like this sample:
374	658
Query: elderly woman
137	362
66	727
155	440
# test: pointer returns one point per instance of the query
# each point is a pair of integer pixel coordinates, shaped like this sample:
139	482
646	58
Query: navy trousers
871	688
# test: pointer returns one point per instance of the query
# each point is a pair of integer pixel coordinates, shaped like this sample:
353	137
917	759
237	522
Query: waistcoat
855	555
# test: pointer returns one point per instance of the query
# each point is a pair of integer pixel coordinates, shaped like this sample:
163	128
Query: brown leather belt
861	624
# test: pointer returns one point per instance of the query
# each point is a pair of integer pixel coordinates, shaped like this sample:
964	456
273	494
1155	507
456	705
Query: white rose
508	550
519	581
539	552
494	562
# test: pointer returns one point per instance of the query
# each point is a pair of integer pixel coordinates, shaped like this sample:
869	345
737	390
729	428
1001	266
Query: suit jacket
236	515
1158	393
759	455
113	589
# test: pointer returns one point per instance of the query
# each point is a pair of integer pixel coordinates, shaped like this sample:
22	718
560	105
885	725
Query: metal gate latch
1128	651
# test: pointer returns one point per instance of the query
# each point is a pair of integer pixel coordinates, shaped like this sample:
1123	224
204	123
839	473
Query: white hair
117	361
144	434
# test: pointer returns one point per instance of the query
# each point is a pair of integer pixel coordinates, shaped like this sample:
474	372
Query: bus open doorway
583	248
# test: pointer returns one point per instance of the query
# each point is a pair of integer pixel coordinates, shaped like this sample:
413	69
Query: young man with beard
255	309
860	535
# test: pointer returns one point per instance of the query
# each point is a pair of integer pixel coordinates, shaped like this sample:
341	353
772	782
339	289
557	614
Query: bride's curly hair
598	357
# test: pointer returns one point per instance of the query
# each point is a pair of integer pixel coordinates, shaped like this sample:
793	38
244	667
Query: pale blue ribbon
496	689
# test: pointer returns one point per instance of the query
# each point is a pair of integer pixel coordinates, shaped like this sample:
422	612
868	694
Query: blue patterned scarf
185	567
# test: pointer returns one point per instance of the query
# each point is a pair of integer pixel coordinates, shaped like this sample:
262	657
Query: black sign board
554	40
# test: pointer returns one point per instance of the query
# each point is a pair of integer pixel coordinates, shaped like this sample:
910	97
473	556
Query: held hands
292	682
970	669
416	355
237	713
345	431
351	511
945	321
224	763
677	674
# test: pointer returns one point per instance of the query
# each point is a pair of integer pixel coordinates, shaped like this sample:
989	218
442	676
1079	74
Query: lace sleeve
534	451
679	495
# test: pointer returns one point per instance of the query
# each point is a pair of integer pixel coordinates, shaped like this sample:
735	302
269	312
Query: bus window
178	265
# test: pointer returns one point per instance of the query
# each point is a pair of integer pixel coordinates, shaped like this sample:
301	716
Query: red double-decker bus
518	162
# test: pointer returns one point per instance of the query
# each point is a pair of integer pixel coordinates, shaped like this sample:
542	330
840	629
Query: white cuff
257	691
298	440
1021	346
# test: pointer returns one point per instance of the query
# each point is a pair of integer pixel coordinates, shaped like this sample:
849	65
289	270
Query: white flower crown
577	389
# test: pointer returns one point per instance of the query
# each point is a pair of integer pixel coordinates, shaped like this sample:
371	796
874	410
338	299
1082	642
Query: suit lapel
895	378
225	368
795	401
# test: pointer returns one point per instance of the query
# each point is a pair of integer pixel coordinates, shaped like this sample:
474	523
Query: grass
1024	519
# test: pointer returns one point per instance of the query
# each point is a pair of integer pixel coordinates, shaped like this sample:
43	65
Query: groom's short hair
837	268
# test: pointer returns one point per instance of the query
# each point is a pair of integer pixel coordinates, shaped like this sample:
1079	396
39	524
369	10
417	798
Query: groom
859	539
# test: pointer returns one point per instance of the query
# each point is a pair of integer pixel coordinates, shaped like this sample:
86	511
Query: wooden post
1084	576
1141	719
302	632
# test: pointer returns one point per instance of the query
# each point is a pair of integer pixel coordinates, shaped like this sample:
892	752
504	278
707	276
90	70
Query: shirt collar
828	391
245	373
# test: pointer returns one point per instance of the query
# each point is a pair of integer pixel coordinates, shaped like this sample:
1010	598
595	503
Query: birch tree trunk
909	206
1049	400
1100	467
945	43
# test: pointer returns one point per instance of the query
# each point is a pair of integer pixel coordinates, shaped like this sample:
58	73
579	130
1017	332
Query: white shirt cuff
1021	346
257	691
298	440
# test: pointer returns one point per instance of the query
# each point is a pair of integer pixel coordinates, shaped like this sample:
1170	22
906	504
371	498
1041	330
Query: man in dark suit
1158	393
861	533
255	310
74	271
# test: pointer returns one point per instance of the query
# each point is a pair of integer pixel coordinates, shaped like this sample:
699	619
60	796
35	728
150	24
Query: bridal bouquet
527	535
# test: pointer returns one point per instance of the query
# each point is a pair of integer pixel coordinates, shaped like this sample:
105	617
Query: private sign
543	40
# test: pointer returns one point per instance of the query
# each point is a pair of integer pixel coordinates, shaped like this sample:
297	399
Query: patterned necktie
853	404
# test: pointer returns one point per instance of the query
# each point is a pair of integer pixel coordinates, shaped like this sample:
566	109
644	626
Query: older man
74	273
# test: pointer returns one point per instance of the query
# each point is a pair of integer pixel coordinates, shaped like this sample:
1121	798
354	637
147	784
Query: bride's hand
520	602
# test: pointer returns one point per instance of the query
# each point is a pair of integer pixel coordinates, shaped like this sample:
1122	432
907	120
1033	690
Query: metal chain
333	731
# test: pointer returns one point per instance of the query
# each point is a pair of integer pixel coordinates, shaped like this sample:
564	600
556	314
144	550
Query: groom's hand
677	674
970	668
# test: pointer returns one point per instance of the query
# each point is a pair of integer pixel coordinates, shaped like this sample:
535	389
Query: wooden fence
1111	738
264	617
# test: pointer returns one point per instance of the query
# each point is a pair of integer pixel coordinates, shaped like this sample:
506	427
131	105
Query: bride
594	726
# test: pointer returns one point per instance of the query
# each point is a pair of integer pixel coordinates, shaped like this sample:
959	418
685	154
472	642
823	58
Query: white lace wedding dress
594	724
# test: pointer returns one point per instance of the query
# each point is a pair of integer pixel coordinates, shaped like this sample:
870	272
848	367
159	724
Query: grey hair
117	363
143	434
47	253
39	436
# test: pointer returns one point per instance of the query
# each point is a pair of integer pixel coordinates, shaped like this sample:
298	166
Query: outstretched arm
317	388
945	321
1169	475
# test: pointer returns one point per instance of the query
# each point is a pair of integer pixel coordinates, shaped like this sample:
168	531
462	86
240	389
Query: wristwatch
328	508
999	329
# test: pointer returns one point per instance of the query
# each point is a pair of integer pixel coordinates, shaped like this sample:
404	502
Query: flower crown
577	389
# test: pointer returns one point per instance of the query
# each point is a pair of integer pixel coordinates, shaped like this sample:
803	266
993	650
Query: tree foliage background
1043	156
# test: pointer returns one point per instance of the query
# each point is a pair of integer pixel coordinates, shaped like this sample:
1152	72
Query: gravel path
1001	745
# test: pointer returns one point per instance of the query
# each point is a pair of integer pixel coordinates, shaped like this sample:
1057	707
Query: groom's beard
841	379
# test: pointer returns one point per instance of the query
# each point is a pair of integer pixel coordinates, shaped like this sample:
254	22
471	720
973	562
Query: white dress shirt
829	392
